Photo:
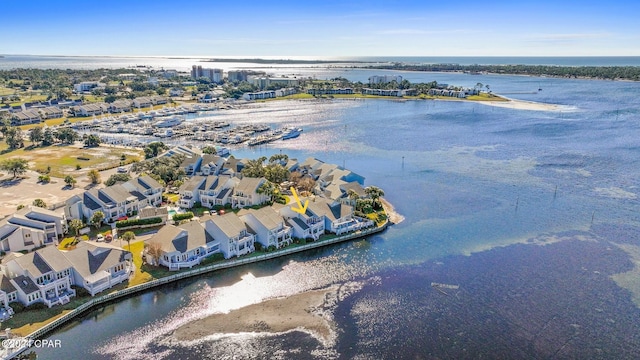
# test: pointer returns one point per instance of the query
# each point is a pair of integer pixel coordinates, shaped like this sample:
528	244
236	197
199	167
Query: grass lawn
63	158
172	198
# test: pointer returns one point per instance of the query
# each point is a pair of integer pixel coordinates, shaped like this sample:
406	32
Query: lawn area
172	198
144	273
63	158
25	322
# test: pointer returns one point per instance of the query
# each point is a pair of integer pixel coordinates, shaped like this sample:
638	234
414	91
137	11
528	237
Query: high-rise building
215	75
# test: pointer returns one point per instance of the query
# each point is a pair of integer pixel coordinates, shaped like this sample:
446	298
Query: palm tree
76	225
353	196
128	236
374	193
267	188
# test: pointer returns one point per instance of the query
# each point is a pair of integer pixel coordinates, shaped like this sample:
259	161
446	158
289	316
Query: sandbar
277	315
525	105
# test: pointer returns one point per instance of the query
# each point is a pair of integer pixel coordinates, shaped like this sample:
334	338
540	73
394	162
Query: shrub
80	291
271	248
258	246
138	222
44	179
17	307
185	216
36	306
78	167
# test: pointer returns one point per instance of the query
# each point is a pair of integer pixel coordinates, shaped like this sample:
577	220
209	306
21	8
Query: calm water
481	189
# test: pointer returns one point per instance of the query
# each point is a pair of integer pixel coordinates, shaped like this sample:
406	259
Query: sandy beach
394	217
300	311
524	105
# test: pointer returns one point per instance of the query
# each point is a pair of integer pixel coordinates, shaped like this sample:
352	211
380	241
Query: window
27	235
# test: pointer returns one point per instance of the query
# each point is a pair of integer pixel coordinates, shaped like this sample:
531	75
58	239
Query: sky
317	29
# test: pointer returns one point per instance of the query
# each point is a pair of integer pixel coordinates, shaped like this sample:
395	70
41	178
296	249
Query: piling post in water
592	215
555	192
403	162
517	202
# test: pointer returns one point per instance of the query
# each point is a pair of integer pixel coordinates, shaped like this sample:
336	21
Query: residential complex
47	275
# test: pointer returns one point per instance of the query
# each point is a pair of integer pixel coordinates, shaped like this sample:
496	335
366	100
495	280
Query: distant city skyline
321	29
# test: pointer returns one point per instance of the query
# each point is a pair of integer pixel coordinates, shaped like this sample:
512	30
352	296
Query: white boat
168	122
291	133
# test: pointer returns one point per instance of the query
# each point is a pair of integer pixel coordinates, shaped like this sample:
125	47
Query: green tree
17	166
116	178
282	158
276	173
36	134
67	136
209	150
153	149
94	176
92	141
254	168
48	137
374	194
128	236
75	225
267	188
39	203
96	219
13	137
70	181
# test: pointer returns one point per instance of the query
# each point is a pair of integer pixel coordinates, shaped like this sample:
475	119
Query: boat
168	122
291	133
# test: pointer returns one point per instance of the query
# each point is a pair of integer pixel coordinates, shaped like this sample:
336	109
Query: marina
180	125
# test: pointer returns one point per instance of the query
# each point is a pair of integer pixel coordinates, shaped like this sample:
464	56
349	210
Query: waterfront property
332	91
268	225
389	92
98	266
182	246
116	201
232	233
46	275
31	227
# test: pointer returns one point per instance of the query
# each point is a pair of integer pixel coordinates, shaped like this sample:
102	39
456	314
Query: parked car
122	170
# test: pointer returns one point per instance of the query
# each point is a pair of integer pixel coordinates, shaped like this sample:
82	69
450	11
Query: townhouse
116	201
181	246
31	227
24	117
232	233
47	275
246	193
51	112
268	225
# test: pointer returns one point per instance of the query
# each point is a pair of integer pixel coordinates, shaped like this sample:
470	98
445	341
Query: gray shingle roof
182	238
230	224
26	284
89	258
6	285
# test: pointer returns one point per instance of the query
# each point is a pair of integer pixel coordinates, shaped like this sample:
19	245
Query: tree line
594	72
